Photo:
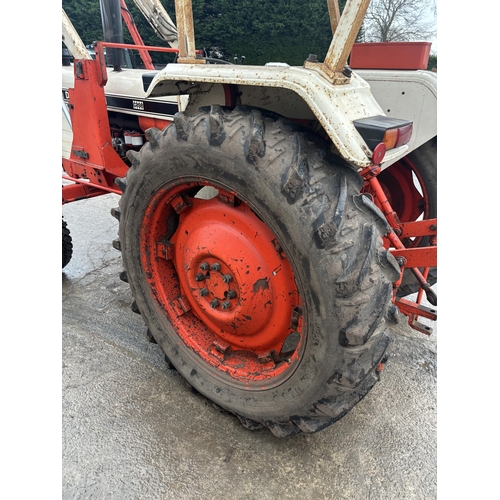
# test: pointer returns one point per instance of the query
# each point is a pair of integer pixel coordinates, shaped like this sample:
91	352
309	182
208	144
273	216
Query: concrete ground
133	430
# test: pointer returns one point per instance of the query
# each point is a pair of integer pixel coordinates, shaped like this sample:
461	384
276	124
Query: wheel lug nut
214	303
203	292
226	305
231	294
227	278
200	277
216	267
204	266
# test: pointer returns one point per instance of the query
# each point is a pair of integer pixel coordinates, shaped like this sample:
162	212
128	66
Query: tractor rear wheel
258	267
67	245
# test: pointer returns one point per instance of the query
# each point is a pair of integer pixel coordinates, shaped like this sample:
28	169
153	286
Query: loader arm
159	20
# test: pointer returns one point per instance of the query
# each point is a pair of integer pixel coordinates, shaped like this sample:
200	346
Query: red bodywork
94	164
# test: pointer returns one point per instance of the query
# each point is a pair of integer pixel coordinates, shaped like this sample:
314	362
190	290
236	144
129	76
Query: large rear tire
258	267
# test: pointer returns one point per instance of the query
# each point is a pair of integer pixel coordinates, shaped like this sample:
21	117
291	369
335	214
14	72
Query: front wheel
258	267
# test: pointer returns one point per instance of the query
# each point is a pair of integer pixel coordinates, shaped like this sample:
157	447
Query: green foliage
433	62
86	18
261	30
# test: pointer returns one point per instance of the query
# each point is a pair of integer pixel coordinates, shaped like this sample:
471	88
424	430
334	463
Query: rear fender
305	91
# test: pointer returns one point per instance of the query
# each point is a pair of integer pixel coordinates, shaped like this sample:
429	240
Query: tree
433	62
261	30
400	20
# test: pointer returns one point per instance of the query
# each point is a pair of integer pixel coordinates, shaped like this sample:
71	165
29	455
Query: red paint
379	153
132	28
418	257
230	95
238	293
403	195
390	55
146	122
396	195
92	155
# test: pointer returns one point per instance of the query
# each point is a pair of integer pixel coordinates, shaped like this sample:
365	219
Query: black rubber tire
67	245
424	161
331	234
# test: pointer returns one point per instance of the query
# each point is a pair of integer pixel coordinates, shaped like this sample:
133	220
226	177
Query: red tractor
272	218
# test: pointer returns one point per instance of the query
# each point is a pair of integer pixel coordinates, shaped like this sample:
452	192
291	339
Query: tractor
274	221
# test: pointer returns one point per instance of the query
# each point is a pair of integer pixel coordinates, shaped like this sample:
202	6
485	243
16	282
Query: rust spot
261	284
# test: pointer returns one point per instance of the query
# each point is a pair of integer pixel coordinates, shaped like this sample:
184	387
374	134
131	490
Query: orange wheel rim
223	280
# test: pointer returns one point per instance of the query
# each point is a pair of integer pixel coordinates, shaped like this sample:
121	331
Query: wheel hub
233	276
223	280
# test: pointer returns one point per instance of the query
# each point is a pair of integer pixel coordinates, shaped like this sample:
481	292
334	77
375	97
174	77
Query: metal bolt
226	305
312	58
204	292
214	303
227	278
205	266
231	294
401	261
433	227
347	71
216	266
200	277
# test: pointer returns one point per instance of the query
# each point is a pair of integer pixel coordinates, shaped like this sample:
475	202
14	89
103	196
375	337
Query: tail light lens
391	132
396	137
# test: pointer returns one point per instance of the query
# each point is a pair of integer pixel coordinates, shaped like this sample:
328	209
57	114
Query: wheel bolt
226	305
231	294
203	292
200	277
214	303
227	278
216	266
401	261
204	266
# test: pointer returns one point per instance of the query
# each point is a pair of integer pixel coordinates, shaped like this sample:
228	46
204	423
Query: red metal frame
132	28
418	259
93	164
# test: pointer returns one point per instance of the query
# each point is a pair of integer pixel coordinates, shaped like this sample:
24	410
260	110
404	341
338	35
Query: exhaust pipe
113	32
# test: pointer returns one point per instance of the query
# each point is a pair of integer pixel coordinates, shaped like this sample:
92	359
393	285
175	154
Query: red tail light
391	132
